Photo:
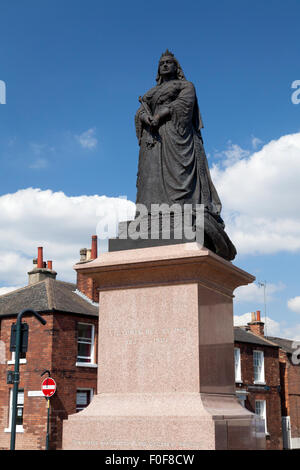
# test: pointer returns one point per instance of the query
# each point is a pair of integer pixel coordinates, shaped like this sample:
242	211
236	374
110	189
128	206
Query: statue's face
167	66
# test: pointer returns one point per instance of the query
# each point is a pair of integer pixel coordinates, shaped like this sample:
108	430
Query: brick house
66	346
290	391
257	376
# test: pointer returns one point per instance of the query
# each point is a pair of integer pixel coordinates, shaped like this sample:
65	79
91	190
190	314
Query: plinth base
178	421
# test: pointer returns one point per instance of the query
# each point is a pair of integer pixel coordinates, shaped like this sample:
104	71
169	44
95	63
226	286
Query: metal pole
48	412
17	374
48	421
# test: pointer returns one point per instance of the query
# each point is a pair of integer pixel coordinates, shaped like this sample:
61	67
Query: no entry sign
48	387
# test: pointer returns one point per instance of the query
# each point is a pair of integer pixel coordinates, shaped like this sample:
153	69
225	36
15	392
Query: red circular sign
48	387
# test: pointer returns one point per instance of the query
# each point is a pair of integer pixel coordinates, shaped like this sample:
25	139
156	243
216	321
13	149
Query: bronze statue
173	167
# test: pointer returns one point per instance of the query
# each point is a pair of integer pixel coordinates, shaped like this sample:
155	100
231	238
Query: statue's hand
155	121
163	114
146	119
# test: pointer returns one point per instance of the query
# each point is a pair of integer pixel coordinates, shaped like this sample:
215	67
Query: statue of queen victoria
173	167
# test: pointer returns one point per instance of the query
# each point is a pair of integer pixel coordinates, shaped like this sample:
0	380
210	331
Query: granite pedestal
166	354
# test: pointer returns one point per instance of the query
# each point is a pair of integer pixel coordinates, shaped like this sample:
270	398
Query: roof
285	344
45	296
242	335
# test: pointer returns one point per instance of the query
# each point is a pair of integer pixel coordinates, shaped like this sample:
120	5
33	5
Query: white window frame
261	379
92	356
262	412
13	357
81	389
19	427
237	365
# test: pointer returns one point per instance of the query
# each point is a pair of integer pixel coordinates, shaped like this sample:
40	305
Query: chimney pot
258	315
40	263
49	265
94	251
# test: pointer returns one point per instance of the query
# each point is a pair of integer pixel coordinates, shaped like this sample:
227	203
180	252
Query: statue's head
169	66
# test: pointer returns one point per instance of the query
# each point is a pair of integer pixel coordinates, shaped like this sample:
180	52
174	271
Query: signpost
48	389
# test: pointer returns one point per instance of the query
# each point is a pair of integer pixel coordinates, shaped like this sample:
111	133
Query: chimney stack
256	325
41	270
85	284
88	254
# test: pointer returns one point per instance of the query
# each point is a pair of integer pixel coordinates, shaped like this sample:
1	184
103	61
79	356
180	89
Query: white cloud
39	163
260	194
5	290
294	304
61	224
254	293
40	151
87	139
231	155
256	142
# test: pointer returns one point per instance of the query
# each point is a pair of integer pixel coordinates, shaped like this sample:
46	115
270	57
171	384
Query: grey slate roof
285	344
244	336
46	295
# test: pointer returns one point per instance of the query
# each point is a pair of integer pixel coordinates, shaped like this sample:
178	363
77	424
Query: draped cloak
173	167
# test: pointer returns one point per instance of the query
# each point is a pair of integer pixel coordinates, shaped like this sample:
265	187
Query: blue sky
74	70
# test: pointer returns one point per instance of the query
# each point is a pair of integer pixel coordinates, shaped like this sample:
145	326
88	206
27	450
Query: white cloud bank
61	224
260	194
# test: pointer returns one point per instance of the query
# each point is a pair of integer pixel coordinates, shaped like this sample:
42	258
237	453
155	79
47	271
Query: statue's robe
173	167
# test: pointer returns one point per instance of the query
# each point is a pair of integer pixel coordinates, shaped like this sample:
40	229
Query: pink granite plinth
166	355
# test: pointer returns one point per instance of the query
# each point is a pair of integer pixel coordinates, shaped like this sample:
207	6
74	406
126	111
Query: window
237	362
85	351
20	408
259	369
83	398
260	410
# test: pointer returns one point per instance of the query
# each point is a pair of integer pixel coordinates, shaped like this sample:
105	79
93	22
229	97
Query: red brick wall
87	286
53	347
67	375
271	396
